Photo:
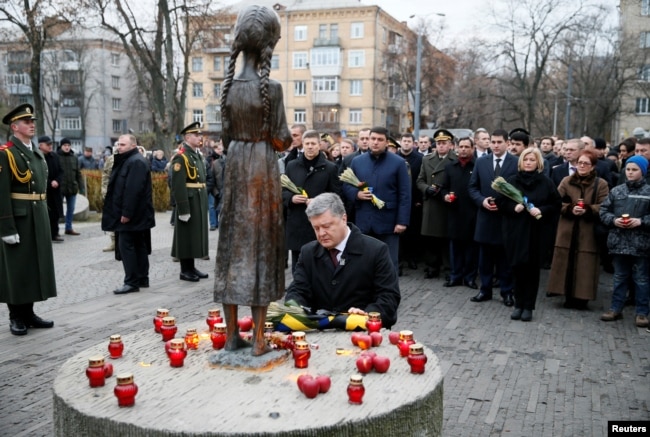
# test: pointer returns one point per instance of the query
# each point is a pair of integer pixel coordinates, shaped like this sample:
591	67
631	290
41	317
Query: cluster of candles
98	370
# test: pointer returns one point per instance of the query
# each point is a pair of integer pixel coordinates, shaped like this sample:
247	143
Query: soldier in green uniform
26	245
188	189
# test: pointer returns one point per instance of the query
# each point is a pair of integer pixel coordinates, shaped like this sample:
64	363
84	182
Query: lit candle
108	370
95	371
218	336
580	203
157	321
626	218
125	390
356	390
416	358
452	196
374	322
192	338
168	328
301	354
298	336
177	352
214	316
115	346
405	340
268	332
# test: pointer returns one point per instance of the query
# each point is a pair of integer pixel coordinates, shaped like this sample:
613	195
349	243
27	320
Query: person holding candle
626	211
251	253
344	271
26	246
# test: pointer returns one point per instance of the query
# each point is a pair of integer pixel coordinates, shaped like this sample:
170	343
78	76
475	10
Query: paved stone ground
563	374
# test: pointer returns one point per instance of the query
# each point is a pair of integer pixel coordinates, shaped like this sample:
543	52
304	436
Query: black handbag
600	230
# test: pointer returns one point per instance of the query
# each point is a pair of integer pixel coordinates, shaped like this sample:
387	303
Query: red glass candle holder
301	354
405	340
580	203
214	316
168	328
452	196
626	218
115	346
192	338
416	358
177	352
356	390
374	322
218	336
268	331
108	370
95	371
125	390
297	336
157	321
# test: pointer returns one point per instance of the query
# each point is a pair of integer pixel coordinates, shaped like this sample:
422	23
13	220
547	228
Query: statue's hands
11	239
184	217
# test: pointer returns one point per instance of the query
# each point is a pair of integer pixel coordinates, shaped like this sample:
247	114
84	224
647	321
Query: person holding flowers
311	174
522	222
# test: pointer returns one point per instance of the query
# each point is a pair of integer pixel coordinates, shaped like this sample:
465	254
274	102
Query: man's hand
54	184
299	198
11	239
354	310
399	229
488	203
364	195
184	217
124	219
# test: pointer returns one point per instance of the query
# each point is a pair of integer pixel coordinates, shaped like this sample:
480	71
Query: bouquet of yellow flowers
501	186
349	177
289	185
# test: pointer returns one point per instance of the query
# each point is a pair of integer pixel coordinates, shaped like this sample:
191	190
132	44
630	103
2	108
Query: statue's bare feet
260	348
236	342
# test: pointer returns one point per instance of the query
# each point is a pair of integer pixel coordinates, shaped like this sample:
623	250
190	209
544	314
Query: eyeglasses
584	163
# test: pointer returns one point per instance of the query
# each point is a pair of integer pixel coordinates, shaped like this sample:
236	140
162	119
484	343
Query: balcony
326	98
70	133
216	75
327	42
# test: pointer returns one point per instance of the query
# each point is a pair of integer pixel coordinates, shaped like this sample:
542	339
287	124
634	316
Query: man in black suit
344	271
488	220
572	149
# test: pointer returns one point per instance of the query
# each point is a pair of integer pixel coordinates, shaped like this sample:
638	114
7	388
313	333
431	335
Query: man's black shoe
126	289
189	277
200	274
471	284
37	322
144	283
17	327
455	283
481	297
508	300
430	274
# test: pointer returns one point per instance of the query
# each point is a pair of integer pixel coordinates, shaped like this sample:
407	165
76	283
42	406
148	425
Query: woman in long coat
251	252
575	267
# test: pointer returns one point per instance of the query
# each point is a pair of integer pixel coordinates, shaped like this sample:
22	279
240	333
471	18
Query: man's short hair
379	130
408	135
325	202
500	133
520	136
311	134
548	138
471	141
300	126
645	141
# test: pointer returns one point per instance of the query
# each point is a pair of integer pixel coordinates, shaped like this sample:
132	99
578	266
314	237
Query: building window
144	126
68	102
70	77
645	40
356	58
393	90
299	60
325	57
141	106
216	63
197	115
327	115
300	33
275	62
197	90
216	91
197	64
356	30
213	114
644	73
334	32
325	84
71	123
299	116
117	104
356	87
115	59
355	116
645	7
300	88
322	31
642	105
117	126
115	82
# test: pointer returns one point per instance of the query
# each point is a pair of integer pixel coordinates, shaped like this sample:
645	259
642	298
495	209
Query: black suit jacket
365	278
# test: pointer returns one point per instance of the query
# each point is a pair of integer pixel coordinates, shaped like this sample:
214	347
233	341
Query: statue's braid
225	116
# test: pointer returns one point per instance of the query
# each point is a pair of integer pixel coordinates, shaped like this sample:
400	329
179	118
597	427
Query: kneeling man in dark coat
344	271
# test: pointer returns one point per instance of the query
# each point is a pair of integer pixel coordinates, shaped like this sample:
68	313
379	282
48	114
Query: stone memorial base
259	399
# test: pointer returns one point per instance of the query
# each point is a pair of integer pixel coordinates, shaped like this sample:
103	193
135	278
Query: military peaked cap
23	111
193	128
442	135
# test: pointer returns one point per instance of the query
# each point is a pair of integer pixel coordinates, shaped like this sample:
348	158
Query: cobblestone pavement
566	373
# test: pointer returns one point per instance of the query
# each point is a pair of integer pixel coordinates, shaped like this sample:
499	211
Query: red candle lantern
374	322
214	316
301	354
580	203
356	390
125	390
218	336
192	338
177	352
452	196
108	370
626	218
115	346
268	331
405	340
168	328
416	358
95	371
157	321
298	336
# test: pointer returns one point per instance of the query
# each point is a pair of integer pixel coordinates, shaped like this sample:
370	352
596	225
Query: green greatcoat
26	268
191	237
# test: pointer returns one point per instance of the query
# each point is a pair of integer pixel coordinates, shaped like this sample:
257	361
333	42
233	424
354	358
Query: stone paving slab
572	370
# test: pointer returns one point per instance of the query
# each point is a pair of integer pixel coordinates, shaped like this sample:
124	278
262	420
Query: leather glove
11	239
184	217
431	191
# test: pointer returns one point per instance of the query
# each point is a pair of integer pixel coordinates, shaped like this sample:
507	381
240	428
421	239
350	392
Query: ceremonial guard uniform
189	190
26	261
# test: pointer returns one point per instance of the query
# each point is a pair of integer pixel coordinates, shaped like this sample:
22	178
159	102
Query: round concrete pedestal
203	400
